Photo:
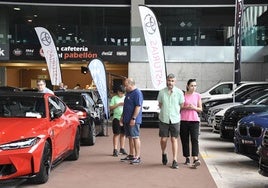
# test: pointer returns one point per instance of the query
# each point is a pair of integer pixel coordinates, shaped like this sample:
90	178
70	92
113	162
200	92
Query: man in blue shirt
132	118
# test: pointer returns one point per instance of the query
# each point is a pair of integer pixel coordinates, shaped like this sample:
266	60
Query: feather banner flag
154	47
98	73
237	40
51	55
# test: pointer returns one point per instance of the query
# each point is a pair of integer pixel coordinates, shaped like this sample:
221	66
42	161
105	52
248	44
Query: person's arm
160	105
112	107
134	115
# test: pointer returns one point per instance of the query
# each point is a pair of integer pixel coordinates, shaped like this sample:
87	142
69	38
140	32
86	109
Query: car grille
231	119
265	139
209	113
218	120
7	169
252	131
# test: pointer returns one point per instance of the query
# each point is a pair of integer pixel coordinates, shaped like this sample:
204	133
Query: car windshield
22	106
150	94
71	100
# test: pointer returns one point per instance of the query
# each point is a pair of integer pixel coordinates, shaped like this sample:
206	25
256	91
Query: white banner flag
154	47
98	73
50	54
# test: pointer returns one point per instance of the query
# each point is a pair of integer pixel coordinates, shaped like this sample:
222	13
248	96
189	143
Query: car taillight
81	114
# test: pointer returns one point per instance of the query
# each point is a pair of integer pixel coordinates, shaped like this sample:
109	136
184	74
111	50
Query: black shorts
117	129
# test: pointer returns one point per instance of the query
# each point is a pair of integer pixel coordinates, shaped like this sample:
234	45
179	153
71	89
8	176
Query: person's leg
174	131
135	134
115	141
131	147
122	144
184	134
194	132
122	141
115	127
163	144
130	142
163	133
174	142
137	147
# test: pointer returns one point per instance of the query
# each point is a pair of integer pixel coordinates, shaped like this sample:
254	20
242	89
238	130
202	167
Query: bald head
129	84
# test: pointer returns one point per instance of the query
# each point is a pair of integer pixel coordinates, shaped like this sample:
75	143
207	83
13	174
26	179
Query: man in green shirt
170	100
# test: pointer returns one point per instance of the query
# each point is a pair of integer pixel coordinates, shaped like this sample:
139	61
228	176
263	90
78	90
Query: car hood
259	119
225	105
251	108
19	128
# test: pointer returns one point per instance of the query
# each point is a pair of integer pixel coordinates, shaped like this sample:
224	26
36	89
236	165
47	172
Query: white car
218	89
224	90
221	109
150	107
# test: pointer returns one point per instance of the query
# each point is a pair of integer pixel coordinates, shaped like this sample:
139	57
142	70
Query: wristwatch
133	118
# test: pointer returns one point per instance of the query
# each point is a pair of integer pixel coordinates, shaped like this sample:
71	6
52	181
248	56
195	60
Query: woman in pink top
189	127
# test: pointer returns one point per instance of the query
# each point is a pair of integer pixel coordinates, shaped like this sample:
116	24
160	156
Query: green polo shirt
170	110
118	110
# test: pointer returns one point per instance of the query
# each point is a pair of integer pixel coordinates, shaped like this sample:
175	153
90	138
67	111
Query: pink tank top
190	115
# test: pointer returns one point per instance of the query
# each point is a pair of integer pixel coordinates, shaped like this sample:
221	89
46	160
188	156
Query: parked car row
244	121
39	130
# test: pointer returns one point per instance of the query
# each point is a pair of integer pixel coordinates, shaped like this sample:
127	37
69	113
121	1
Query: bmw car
37	131
89	114
249	134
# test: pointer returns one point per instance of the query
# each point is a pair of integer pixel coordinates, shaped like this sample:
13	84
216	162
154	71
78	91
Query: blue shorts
132	131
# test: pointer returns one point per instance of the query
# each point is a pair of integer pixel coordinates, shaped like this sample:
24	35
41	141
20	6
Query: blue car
249	134
263	153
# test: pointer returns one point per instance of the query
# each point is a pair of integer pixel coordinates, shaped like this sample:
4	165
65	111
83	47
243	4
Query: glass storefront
111	26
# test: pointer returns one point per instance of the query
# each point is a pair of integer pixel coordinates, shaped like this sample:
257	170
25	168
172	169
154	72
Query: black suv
234	114
90	120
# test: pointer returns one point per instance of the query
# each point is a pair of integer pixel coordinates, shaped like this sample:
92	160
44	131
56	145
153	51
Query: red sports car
37	131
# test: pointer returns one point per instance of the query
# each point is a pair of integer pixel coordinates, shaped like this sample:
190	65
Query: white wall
207	74
198	64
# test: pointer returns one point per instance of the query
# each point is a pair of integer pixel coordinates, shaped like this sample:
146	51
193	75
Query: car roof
71	92
26	94
9	89
149	89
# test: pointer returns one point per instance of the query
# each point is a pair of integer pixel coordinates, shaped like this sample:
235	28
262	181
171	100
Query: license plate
147	115
248	142
229	128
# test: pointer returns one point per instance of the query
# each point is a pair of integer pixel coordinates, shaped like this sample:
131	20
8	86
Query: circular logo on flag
45	38
150	24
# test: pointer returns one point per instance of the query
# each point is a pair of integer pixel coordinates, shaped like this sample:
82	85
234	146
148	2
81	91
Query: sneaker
123	151
175	165
115	153
127	158
164	159
136	161
196	163
187	161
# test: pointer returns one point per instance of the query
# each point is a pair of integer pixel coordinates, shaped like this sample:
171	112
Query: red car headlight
20	144
81	114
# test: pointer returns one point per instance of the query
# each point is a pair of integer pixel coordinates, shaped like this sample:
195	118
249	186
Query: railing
124	36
